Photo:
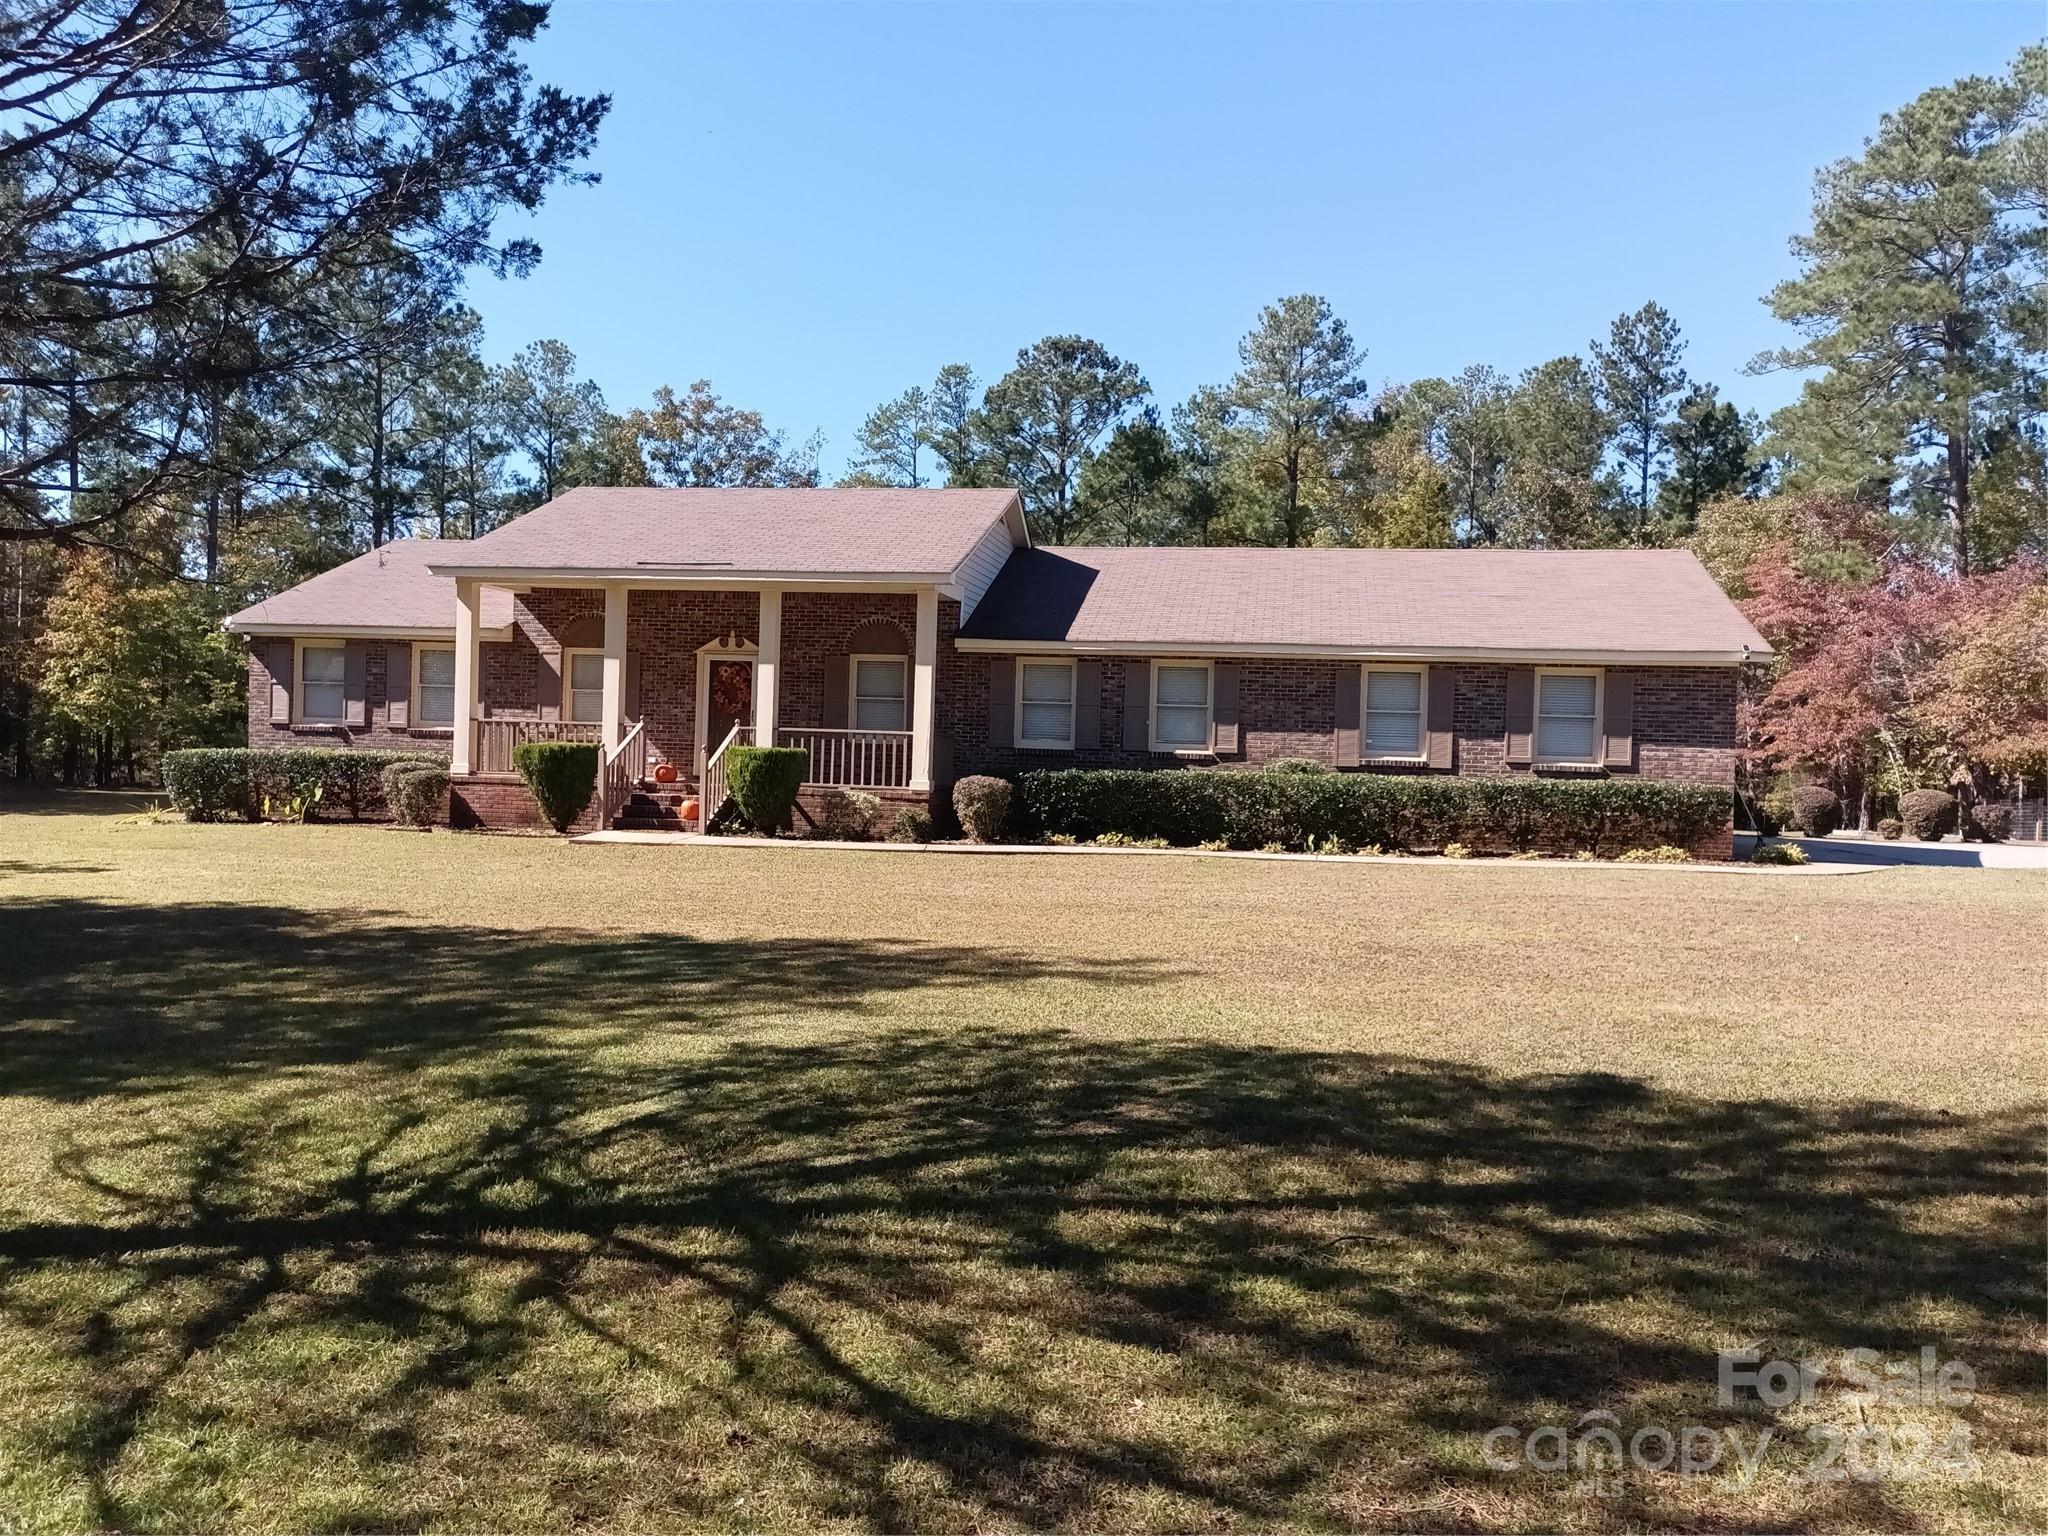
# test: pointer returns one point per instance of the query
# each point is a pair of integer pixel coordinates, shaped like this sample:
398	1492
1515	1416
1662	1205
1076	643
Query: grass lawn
357	1179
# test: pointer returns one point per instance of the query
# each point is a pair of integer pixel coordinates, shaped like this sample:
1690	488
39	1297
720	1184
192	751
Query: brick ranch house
907	637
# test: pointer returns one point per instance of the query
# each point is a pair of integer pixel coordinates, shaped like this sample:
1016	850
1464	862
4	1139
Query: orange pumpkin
689	808
665	773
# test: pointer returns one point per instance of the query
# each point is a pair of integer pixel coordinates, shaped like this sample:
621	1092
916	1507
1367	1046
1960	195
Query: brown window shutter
1521	715
1440	689
397	685
277	661
1002	702
837	684
1223	708
1087	702
1350	692
355	682
1137	706
1618	715
630	704
547	686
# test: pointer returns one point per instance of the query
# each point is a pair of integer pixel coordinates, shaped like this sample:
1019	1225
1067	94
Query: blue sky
816	206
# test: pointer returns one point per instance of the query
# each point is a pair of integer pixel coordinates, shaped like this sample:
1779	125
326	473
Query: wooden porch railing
711	794
853	759
495	739
618	771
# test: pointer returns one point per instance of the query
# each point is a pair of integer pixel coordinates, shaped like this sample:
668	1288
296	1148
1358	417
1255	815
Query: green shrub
913	824
562	776
764	782
1991	821
983	805
848	815
210	783
1455	850
1813	810
1296	765
1664	853
292	805
1258	808
1214	845
1779	853
1891	829
1774	812
416	792
1929	814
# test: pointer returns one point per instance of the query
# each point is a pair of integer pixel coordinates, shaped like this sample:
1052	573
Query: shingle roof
389	588
1552	602
642	530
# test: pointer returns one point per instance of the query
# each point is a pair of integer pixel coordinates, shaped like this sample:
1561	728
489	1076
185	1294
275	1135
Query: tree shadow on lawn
909	1276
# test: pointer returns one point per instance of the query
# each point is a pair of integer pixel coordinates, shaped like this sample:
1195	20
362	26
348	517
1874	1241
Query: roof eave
274	629
669	576
1322	652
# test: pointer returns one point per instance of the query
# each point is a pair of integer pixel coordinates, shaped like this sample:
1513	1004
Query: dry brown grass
355	1178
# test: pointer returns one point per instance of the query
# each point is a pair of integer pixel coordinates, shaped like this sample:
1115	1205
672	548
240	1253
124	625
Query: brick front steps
656	808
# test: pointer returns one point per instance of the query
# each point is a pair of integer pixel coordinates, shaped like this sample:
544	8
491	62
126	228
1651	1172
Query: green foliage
1812	809
219	783
1640	381
1991	821
210	783
1663	853
1891	829
1298	376
1297	765
294	806
848	815
1040	423
983	805
1779	853
913	824
1929	814
1712	457
1456	851
1297	810
1919	295
416	792
562	776
764	782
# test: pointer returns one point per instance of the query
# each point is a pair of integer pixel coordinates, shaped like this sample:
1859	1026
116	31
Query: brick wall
1684	719
387	669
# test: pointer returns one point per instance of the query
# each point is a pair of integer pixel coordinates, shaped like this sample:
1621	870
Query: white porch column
468	669
924	690
768	667
614	665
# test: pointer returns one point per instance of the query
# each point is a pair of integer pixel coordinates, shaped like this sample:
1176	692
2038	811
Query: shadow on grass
908	1275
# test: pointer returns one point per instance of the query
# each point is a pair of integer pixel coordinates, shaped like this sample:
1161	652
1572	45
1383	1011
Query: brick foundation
501	802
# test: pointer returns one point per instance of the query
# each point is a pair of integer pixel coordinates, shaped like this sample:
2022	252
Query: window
1567	717
1045	704
583	679
1180	707
323	674
1393	712
878	693
433	690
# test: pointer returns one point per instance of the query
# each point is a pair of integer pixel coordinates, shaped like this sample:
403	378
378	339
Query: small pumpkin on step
664	773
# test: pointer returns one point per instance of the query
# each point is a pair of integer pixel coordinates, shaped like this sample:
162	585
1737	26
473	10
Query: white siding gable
983	564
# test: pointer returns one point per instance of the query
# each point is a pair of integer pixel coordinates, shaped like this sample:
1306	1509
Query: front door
730	684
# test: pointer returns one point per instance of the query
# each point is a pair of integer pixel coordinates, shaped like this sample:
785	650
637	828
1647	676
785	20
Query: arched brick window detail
874	637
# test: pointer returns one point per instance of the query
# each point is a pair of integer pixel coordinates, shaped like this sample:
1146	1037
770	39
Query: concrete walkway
1846	848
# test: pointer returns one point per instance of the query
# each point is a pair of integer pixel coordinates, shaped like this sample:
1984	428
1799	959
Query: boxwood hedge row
1252	809
231	783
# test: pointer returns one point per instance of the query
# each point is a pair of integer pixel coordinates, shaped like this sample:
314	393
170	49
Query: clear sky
817	206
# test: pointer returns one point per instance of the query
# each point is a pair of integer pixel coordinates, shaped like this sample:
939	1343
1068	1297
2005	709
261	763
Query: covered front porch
677	673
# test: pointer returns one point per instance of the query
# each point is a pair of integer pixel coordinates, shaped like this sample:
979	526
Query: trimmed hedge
1258	809
764	782
983	805
416	793
1929	814
1991	821
223	783
562	776
1814	810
